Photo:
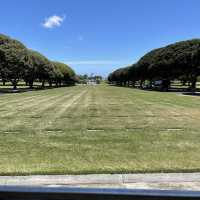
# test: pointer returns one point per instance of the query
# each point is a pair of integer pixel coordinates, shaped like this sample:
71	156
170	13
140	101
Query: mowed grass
98	129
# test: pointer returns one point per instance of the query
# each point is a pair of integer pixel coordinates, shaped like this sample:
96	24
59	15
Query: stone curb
100	179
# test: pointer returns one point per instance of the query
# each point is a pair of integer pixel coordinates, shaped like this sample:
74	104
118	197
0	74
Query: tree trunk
31	84
193	84
133	83
50	83
165	85
184	82
43	83
14	83
150	84
141	83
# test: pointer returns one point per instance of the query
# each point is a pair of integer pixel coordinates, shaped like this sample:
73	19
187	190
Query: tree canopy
19	63
181	59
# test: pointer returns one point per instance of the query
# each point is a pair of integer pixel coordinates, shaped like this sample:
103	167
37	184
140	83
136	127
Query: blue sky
97	36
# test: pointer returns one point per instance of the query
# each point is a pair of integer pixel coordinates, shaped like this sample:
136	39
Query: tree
43	69
17	62
14	60
181	59
65	73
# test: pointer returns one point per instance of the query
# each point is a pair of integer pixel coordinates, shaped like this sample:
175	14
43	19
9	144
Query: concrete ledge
137	181
61	179
161	177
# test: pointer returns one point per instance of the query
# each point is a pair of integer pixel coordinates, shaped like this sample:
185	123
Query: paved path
186	181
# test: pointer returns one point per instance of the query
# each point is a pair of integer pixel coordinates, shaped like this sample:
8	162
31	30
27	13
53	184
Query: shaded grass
101	129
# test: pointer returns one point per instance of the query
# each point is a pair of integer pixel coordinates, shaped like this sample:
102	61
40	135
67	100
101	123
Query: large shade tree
14	60
42	69
175	61
17	63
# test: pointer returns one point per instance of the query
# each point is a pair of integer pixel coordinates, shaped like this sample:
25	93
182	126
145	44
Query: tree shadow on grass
22	90
191	93
184	91
19	90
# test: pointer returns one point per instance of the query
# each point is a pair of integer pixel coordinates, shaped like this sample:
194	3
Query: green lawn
98	129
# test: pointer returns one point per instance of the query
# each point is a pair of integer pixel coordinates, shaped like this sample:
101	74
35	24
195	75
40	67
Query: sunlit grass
98	129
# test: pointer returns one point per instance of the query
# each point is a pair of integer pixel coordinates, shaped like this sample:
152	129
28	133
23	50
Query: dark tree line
178	61
19	63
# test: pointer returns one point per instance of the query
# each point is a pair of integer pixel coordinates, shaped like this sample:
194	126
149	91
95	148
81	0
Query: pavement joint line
123	180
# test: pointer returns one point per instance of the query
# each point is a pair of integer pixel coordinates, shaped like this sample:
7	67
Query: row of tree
20	63
178	61
85	79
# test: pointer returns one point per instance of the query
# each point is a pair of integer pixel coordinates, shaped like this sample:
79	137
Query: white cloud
53	21
93	62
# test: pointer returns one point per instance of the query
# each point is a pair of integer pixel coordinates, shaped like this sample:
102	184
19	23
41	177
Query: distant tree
66	74
98	79
81	79
85	76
